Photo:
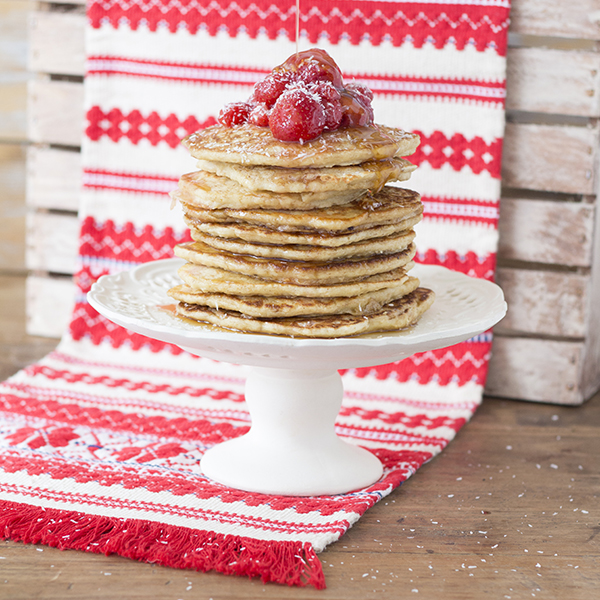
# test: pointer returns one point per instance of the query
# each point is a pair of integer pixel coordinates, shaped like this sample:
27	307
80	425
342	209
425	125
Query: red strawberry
235	113
298	115
272	86
331	100
355	112
259	116
314	65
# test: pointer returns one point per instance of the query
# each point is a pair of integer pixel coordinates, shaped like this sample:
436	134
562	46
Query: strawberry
314	65
356	112
235	113
331	101
272	86
298	115
259	116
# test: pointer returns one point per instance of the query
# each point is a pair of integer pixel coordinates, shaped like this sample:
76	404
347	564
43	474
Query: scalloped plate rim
497	311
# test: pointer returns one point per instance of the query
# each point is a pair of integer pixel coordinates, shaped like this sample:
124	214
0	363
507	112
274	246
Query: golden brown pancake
250	145
393	317
296	272
264	235
385	245
207	190
370	175
390	205
282	306
202	279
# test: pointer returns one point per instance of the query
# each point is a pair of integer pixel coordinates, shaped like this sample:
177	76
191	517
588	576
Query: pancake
297	229
199	278
264	235
370	175
296	272
281	306
394	316
390	205
385	245
250	145
207	190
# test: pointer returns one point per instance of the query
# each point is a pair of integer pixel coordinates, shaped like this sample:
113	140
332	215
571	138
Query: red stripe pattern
482	24
395	85
436	149
134	126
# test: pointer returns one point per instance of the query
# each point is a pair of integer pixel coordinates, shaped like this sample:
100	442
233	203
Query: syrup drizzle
297	25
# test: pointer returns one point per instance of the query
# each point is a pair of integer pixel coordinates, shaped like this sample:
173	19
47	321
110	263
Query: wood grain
12	207
55	112
553	158
49	303
545	302
590	369
543	80
53	178
508	509
13	75
546	231
57	43
52	242
556	18
539	370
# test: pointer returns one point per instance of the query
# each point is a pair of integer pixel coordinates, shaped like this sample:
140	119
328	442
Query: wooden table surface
509	510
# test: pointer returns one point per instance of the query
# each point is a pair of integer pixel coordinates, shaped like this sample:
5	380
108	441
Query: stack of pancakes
300	239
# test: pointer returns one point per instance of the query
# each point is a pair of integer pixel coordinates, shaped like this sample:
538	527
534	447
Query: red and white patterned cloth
100	442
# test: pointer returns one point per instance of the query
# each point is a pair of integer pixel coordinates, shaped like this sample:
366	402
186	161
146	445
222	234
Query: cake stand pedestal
293	390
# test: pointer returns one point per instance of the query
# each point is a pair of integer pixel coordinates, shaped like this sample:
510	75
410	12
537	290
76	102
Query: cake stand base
292	447
294	391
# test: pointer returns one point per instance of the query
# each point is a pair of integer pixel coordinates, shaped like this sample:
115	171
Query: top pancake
250	145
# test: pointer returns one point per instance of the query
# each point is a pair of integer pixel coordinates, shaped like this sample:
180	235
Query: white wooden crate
548	347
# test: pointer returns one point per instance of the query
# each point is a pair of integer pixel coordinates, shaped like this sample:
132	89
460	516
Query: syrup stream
297	25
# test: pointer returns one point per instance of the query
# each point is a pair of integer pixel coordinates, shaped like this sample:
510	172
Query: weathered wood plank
535	369
55	112
13	75
543	80
546	231
544	302
53	178
590	371
13	99
52	242
550	158
49	302
13	39
56	43
556	18
12	207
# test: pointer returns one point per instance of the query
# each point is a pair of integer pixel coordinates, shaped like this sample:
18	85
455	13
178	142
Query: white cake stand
293	390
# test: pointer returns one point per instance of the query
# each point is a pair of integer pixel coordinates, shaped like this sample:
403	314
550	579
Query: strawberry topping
301	98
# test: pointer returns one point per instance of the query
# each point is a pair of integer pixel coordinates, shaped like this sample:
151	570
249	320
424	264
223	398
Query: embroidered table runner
100	442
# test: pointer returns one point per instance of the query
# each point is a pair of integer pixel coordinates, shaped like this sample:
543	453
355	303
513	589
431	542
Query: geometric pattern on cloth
101	441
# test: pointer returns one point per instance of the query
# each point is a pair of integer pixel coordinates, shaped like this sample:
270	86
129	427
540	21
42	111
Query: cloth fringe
291	563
